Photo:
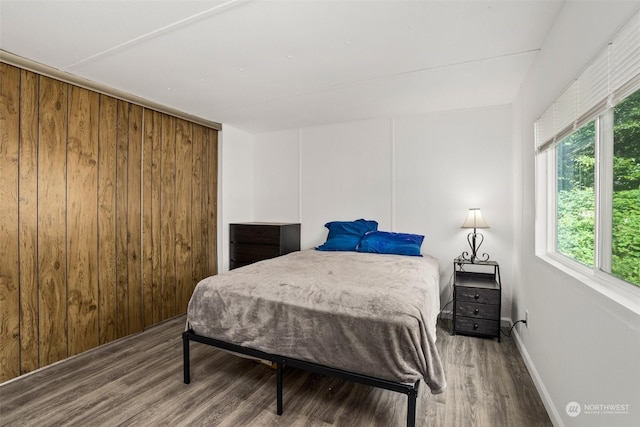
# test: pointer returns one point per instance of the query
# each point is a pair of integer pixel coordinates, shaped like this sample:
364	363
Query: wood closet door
108	218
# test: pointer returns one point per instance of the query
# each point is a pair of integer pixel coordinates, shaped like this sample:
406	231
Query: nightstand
476	298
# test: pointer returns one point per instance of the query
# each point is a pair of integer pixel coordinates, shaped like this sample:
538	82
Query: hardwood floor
138	381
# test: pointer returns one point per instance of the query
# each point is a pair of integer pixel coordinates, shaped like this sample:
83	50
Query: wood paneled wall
107	218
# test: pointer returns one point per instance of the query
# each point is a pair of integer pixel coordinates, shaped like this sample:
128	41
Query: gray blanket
365	313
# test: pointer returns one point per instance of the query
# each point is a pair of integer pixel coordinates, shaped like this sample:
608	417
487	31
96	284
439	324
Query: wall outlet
526	318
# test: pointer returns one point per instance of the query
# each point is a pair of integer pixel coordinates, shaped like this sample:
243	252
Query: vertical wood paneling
107	217
52	266
147	215
206	181
167	209
184	173
28	211
197	261
122	255
156	219
211	185
134	220
82	217
9	269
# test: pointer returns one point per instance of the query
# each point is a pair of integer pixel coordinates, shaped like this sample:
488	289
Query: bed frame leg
185	358
411	407
279	387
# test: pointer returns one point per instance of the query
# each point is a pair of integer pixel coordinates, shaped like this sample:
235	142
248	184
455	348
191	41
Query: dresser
477	296
255	241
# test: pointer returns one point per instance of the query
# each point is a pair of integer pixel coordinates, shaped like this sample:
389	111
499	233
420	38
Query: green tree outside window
575	218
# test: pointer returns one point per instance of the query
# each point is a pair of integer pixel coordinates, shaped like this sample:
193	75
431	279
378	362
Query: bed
365	317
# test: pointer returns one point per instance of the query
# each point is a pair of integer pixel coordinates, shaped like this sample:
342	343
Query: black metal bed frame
411	390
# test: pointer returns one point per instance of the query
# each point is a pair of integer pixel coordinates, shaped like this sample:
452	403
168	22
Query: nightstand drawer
477	326
482	311
477	291
478	295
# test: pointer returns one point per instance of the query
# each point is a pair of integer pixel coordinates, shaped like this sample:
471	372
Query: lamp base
473	259
475	240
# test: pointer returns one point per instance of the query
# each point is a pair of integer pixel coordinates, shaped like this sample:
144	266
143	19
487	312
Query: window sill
622	293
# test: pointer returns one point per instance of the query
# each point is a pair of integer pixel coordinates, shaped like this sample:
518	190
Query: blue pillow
346	235
385	242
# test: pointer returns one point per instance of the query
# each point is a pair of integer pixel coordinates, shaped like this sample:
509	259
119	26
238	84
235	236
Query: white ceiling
269	65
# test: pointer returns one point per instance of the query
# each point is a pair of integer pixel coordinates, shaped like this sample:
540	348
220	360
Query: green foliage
626	173
576	152
576	162
576	230
626	146
576	156
576	224
625	257
627	129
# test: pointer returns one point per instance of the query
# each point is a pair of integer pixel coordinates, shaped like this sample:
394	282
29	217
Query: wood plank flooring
137	381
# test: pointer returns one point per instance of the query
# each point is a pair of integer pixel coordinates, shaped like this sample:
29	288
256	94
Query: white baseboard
537	381
506	322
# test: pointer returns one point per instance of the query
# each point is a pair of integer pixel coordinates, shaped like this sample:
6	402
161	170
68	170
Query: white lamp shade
474	219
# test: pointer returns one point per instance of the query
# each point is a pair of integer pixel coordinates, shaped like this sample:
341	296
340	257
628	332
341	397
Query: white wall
580	345
235	161
416	174
446	163
420	174
345	175
277	156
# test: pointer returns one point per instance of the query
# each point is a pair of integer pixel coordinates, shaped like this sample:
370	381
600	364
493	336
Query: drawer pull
476	297
476	311
475	326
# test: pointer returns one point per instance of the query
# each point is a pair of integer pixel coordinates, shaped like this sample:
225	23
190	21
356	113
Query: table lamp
474	220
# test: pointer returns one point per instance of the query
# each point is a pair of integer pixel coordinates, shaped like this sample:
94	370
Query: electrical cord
440	318
524	322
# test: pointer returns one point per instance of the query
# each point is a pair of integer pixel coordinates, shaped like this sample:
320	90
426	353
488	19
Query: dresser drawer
251	253
255	234
477	326
257	241
478	295
481	311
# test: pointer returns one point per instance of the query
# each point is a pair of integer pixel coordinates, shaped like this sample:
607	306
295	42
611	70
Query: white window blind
608	78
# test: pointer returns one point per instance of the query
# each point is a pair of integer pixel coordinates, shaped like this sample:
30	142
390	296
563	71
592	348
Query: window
575	197
624	253
588	169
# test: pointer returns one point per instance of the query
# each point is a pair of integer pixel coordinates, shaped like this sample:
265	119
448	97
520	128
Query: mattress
370	314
